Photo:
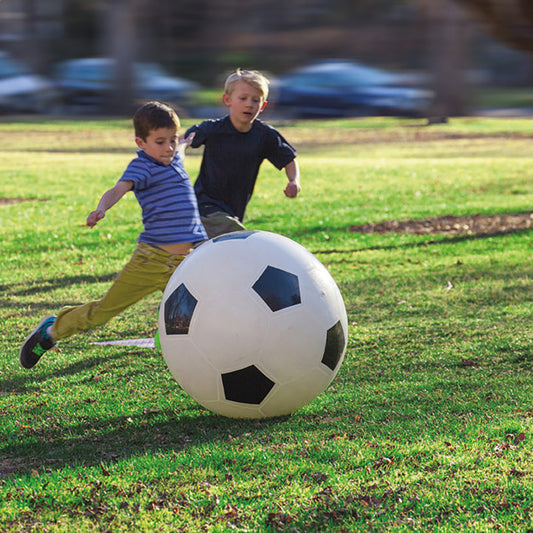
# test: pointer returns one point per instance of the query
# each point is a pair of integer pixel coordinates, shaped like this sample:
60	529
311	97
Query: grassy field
428	424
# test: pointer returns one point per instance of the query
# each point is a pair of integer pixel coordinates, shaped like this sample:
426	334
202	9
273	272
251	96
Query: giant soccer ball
252	325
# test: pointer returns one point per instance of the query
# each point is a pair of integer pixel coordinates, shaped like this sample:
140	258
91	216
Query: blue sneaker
36	343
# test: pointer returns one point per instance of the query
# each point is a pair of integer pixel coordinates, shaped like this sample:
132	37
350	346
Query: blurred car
22	90
341	88
89	82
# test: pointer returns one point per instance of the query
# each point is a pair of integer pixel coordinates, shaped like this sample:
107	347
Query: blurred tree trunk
120	41
448	38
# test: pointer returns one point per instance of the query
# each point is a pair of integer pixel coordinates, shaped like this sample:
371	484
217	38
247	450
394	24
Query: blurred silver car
342	88
89	82
22	90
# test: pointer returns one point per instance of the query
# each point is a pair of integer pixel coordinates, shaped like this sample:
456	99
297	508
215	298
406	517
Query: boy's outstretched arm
108	200
293	175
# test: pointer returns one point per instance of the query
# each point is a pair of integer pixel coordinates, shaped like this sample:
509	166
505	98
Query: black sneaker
36	344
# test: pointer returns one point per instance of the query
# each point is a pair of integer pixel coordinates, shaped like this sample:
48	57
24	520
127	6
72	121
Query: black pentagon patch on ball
179	309
234	236
247	385
335	343
278	288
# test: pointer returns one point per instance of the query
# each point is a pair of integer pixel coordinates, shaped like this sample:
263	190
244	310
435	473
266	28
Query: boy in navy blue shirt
234	148
171	223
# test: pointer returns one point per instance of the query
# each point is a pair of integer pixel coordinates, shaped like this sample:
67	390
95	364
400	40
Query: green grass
503	97
427	426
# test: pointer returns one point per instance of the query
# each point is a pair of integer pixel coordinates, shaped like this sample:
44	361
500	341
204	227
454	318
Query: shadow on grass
94	441
44	286
405	410
103	438
29	381
419	244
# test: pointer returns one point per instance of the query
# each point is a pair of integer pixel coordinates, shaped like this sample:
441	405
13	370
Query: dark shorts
219	222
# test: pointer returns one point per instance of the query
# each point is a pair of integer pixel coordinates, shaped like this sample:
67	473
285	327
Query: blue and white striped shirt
166	196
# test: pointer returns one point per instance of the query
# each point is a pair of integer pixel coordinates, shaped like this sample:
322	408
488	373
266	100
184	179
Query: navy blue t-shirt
231	162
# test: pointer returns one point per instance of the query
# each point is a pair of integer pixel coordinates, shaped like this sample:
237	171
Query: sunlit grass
427	426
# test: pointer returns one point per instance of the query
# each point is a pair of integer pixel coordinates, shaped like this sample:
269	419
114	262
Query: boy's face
245	103
160	144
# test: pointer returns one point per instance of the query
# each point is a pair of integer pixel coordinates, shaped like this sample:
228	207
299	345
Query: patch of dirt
9	467
11	201
452	225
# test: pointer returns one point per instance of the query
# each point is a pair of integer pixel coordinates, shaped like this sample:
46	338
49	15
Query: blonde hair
251	77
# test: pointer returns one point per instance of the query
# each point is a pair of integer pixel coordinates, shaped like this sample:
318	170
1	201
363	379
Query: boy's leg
148	271
219	222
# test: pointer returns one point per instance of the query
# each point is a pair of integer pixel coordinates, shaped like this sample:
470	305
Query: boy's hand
292	189
184	143
186	140
94	217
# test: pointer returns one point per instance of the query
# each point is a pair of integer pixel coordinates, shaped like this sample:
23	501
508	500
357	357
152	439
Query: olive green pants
148	270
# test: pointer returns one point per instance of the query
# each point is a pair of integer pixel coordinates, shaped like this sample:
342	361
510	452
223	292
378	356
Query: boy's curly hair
252	77
152	116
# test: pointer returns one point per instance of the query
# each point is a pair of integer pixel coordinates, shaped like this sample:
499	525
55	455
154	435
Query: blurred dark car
341	88
22	91
87	83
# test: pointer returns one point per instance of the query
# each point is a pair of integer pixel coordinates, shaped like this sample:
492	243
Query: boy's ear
226	99
139	142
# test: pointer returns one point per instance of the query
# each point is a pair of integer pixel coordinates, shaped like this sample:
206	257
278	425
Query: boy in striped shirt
171	223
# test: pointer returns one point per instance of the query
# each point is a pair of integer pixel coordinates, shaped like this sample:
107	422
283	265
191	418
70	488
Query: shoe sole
32	333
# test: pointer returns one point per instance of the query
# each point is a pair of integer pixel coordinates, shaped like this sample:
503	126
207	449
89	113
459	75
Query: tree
120	43
509	20
448	32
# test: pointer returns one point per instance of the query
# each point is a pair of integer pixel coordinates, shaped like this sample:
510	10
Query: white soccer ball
252	325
